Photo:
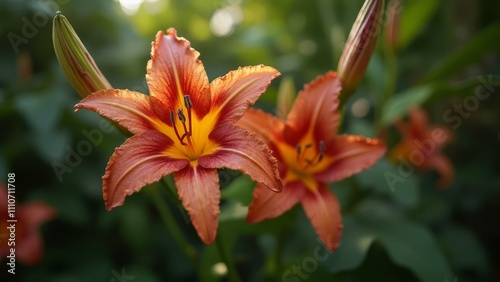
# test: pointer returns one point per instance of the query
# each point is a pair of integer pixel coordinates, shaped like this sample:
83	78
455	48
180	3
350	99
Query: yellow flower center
305	160
189	133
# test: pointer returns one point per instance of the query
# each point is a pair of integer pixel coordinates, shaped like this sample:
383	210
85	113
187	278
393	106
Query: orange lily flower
421	145
310	154
28	242
185	127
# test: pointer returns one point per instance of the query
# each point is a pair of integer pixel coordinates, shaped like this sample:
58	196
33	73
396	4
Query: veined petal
443	165
174	71
234	92
129	109
263	124
323	210
141	160
268	204
351	154
199	192
316	107
242	150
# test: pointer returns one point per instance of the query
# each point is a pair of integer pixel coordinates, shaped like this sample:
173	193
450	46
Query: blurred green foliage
446	51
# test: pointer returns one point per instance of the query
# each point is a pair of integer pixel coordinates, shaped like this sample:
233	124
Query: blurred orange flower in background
23	235
422	144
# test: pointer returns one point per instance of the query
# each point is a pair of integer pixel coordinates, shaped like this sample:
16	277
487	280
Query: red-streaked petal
244	151
443	165
129	109
263	124
174	71
36	213
315	107
268	204
351	154
199	192
234	92
140	161
323	210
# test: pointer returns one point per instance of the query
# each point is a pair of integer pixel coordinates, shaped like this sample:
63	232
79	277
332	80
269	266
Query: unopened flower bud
75	60
359	47
392	27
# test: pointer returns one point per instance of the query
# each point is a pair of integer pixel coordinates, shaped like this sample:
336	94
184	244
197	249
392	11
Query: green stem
391	77
226	258
171	224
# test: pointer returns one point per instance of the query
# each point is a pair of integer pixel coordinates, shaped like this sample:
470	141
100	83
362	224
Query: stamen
172	119
322	149
182	118
189	105
299	149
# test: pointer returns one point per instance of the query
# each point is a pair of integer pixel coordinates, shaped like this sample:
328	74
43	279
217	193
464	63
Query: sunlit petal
323	210
262	123
268	204
316	107
174	71
234	92
351	154
138	162
199	192
129	109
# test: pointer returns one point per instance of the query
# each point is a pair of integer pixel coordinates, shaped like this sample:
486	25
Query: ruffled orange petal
267	204
242	150
174	71
351	154
129	109
199	192
443	165
263	124
234	92
323	210
316	107
139	161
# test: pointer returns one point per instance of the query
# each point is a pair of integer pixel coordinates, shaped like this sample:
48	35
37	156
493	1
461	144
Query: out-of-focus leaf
135	224
465	251
51	145
239	190
379	179
355	242
408	244
209	258
484	42
414	18
398	105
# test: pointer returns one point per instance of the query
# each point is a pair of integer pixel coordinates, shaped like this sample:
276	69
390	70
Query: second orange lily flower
310	154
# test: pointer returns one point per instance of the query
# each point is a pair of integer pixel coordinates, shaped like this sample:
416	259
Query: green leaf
398	105
414	18
51	145
408	244
239	190
484	42
41	110
376	178
355	242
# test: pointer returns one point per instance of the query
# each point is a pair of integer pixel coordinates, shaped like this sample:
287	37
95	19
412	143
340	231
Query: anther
299	150
187	101
189	104
322	149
